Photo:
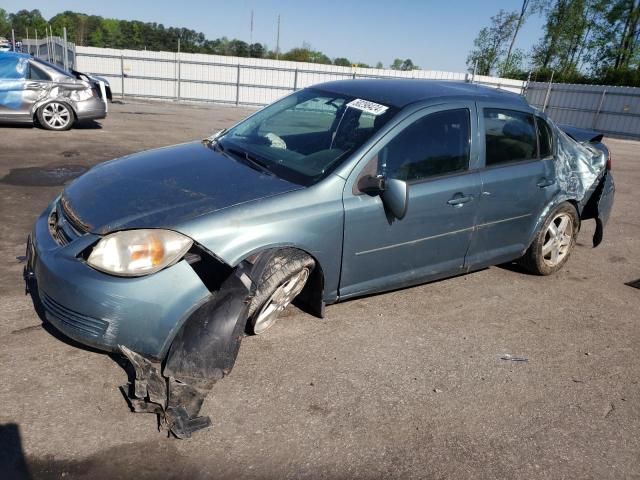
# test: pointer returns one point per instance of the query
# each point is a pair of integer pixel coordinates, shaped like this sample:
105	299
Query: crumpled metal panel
578	166
12	73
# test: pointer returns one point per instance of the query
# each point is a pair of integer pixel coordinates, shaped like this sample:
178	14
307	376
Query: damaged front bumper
180	334
102	311
203	352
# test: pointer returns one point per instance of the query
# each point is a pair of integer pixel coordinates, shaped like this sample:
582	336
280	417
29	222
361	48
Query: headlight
133	253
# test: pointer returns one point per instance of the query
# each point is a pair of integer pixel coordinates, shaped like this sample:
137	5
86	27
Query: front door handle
545	182
33	85
459	200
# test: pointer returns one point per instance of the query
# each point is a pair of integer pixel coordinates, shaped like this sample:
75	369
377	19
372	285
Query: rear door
432	150
517	184
37	84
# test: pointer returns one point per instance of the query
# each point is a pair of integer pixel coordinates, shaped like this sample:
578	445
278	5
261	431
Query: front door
432	150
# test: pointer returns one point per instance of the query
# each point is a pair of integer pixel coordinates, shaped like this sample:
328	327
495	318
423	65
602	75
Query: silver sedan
34	91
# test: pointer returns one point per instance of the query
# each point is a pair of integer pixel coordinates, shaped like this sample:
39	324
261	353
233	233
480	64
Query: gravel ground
408	384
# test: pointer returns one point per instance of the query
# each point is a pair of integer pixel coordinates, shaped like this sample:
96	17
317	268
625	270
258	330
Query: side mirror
396	197
371	185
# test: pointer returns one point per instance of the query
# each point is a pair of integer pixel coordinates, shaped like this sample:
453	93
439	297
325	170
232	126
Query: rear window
54	67
510	136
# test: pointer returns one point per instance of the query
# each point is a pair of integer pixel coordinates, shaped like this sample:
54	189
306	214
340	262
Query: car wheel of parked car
282	281
552	246
55	116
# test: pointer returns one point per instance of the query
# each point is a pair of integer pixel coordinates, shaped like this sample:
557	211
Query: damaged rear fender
599	206
557	200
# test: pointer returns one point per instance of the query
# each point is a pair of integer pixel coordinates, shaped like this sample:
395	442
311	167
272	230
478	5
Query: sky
434	34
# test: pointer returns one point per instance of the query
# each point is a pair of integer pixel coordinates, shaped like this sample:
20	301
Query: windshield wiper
251	160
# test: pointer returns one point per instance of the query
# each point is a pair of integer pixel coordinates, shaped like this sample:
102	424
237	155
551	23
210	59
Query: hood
165	187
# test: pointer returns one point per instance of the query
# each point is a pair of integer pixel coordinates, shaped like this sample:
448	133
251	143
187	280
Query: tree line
97	31
583	41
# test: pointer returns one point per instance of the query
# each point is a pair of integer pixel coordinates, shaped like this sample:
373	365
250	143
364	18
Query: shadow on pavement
13	465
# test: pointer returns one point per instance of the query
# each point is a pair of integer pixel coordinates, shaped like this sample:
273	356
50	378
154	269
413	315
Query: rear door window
545	138
510	136
36	73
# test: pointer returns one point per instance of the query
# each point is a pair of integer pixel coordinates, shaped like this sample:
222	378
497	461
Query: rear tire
283	279
554	242
55	116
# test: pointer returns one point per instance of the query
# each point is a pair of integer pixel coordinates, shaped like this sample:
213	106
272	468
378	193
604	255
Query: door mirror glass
396	197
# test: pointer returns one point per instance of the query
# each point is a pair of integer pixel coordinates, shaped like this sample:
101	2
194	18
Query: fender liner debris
203	352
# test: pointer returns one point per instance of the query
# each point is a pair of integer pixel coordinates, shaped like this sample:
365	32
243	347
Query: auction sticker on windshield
367	106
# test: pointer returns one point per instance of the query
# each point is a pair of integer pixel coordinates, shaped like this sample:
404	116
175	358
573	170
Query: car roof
400	92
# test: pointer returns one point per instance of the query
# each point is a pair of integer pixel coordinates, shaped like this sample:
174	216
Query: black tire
534	259
284	265
65	112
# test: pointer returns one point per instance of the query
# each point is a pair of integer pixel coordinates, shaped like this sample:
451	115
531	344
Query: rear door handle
33	85
544	182
459	200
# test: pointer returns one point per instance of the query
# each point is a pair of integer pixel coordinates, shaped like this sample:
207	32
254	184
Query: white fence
614	111
236	80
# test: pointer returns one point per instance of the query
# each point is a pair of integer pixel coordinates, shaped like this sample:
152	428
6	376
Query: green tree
257	50
342	62
491	44
567	27
5	23
379	65
507	64
397	64
25	19
615	43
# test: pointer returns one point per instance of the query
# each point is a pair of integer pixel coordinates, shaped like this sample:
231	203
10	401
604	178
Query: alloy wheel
56	115
557	241
279	300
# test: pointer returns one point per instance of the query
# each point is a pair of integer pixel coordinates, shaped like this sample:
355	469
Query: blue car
340	190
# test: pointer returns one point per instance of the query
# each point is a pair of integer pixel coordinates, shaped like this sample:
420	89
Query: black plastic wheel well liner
211	270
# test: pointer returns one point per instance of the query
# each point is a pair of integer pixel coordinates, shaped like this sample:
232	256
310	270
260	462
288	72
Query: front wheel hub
279	300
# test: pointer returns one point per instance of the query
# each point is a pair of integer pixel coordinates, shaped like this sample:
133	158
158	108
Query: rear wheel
552	246
283	279
55	116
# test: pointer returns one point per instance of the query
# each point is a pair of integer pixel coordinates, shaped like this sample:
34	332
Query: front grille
72	219
85	325
63	226
58	234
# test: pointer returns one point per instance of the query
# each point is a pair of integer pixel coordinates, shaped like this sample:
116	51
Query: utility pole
37	45
278	41
65	56
251	33
13	39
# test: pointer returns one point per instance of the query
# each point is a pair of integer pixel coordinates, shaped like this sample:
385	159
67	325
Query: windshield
306	135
